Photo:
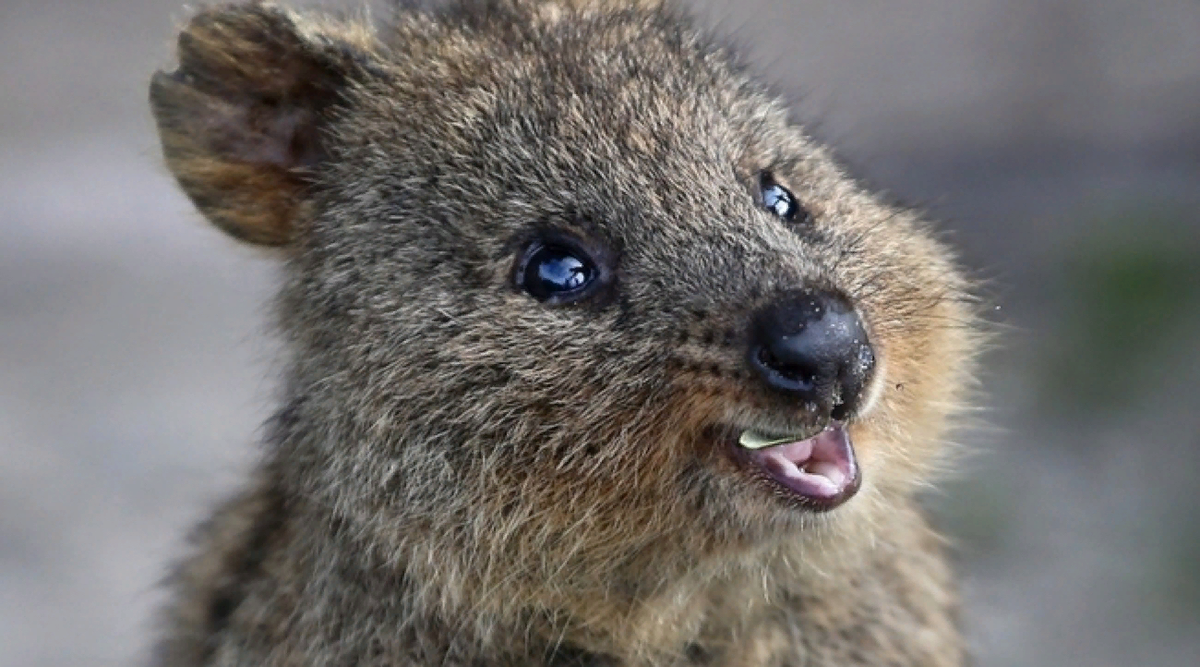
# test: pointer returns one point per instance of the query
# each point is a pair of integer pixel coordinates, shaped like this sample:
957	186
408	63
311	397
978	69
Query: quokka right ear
242	118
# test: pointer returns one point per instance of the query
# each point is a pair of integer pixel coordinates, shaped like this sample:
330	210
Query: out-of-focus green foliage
1132	289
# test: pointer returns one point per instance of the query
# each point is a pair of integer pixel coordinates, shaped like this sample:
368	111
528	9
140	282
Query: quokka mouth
817	470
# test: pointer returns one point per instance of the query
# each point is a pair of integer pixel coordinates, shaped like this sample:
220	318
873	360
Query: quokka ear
242	118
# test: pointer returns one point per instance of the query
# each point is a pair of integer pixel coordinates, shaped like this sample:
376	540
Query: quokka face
564	283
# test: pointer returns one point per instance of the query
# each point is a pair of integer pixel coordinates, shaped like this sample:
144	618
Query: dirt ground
1058	141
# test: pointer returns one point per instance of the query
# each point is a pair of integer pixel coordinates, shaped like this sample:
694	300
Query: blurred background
1058	141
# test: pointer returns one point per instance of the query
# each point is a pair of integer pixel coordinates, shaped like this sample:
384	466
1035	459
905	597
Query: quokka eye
556	273
780	201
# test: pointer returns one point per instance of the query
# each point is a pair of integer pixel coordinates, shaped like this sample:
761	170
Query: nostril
788	375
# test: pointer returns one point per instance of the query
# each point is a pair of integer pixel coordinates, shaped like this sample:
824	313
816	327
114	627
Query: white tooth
751	439
755	440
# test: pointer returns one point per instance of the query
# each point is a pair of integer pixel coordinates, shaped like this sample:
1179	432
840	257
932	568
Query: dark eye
780	201
556	273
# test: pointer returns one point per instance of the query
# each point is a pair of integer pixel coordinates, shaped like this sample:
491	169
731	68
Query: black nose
811	345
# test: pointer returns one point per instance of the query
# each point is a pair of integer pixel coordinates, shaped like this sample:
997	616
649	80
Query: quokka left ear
242	118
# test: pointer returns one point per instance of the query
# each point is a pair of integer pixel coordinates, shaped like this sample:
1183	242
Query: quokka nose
811	345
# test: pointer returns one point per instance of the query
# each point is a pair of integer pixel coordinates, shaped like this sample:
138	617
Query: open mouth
818	470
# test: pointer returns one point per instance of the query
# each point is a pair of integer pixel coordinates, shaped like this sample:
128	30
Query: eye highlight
556	273
780	201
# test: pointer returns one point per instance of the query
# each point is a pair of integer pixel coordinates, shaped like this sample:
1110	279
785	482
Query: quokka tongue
751	439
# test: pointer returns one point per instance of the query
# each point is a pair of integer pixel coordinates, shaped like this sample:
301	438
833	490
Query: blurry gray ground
1059	140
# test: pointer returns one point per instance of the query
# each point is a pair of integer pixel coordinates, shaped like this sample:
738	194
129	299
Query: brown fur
460	475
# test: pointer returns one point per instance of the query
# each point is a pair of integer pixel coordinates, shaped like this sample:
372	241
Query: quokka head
564	283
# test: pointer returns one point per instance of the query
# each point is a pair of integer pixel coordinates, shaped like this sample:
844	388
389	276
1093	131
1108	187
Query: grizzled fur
461	475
